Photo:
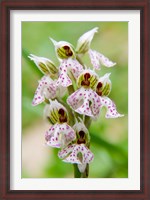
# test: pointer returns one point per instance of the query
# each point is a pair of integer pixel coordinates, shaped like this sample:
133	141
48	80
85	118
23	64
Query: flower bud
83	44
45	65
56	112
63	49
104	85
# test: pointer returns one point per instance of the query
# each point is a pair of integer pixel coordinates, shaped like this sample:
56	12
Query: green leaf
25	54
111	147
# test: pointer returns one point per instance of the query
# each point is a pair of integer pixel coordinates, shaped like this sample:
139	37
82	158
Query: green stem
86	172
78	174
79	60
70	89
87	121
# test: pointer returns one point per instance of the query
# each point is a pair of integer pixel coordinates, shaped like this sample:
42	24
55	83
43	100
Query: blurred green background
109	137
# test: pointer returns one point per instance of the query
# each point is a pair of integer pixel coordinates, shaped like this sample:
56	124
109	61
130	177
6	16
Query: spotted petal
74	66
67	66
77	153
85	101
59	135
46	89
63	79
97	59
111	108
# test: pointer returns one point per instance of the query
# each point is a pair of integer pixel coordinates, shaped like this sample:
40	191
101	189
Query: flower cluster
86	94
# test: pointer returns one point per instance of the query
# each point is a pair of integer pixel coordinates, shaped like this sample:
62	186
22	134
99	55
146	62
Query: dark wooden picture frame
6	7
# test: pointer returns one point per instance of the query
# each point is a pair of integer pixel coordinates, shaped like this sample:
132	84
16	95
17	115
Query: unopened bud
45	65
83	44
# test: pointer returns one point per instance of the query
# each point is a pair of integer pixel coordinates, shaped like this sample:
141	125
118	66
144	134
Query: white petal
60	135
85	101
51	136
97	59
64	79
111	108
86	153
105	86
105	79
64	152
55	105
71	154
75	67
46	89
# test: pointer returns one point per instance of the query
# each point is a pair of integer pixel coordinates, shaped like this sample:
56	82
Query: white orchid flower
77	153
68	63
60	134
85	100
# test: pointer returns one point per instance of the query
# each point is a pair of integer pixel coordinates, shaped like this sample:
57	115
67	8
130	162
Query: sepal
45	65
84	42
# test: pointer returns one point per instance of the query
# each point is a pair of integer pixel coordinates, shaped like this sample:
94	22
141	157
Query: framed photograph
74	106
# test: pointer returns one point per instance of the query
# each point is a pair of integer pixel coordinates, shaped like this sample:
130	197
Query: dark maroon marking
63	117
86	82
68	51
98	89
81	138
